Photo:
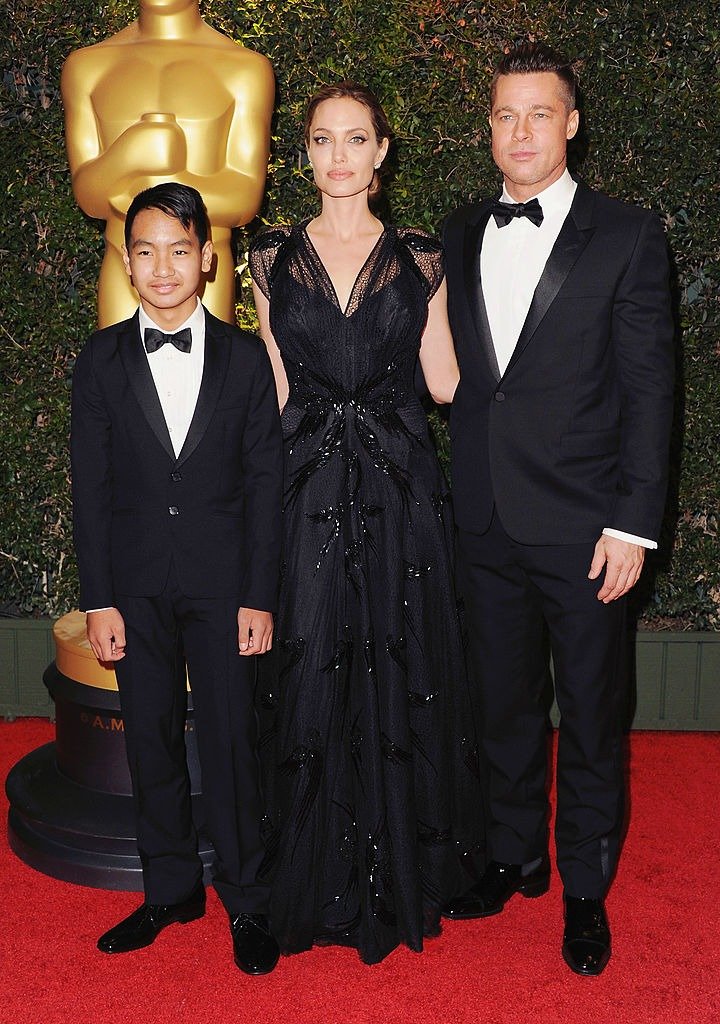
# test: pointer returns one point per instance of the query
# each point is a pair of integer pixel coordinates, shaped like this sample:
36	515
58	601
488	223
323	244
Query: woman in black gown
368	743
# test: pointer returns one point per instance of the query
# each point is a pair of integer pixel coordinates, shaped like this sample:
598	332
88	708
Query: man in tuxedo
559	306
177	480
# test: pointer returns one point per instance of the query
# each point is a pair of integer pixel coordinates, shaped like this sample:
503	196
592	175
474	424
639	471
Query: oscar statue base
71	809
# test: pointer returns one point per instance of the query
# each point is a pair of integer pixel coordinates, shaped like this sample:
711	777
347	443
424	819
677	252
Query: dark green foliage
651	131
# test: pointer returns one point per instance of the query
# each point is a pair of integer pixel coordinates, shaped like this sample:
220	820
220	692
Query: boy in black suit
177	478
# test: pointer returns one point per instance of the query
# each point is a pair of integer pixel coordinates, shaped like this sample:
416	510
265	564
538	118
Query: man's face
166	264
531	126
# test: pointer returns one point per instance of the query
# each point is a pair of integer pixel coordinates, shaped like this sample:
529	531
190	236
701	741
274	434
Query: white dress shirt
512	260
178	375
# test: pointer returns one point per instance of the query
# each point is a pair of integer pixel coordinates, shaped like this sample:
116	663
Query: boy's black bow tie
155	339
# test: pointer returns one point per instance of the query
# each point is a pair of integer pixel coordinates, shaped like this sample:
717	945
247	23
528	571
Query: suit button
499	396
176	477
174	510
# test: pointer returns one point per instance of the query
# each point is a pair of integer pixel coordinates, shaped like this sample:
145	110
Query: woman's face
342	147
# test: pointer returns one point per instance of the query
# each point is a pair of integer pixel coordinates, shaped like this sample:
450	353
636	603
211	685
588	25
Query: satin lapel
134	360
215	364
473	288
574	236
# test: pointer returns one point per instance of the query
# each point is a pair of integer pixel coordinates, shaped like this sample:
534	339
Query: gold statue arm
234	195
154	148
155	143
233	192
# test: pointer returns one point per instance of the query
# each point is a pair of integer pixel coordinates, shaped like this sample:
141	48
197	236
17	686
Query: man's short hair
182	202
531	58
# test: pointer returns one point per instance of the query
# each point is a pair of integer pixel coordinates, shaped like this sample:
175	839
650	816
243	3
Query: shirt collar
556	198
195	321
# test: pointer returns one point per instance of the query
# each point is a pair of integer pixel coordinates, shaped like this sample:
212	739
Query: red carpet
505	970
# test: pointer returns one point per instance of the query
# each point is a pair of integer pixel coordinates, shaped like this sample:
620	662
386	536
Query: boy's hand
255	631
106	633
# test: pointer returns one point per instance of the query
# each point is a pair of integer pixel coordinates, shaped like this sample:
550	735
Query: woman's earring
378	166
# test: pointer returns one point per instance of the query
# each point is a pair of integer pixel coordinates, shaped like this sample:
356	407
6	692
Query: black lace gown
367	725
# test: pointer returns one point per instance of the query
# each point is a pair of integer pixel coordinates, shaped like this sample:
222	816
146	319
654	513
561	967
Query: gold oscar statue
167	98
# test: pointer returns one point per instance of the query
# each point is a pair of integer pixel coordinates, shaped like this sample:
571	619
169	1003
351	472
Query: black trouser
513	592
152	685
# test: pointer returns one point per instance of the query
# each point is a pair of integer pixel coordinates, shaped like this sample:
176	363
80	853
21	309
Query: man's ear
573	123
126	261
207	255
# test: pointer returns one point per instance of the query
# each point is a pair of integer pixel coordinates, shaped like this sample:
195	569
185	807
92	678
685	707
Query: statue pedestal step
71	808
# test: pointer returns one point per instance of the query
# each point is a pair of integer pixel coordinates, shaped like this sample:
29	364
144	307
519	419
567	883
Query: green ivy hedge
651	130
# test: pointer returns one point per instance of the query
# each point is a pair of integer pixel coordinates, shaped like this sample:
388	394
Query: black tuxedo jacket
574	436
215	510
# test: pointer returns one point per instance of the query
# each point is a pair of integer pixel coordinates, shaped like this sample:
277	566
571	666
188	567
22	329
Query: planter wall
677	681
677	676
26	649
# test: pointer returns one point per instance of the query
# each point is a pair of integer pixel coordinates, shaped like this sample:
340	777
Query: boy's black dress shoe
256	950
495	888
144	925
586	942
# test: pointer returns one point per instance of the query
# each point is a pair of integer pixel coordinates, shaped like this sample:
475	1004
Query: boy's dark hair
180	201
531	58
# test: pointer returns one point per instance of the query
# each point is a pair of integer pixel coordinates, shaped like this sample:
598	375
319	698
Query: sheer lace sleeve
263	253
427	254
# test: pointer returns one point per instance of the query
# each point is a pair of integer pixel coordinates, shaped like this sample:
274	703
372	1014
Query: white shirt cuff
630	538
88	610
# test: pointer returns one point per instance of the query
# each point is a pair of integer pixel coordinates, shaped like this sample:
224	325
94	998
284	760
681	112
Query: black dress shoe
495	888
144	925
256	950
586	942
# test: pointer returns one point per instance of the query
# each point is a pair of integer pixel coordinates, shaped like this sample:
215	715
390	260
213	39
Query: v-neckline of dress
333	291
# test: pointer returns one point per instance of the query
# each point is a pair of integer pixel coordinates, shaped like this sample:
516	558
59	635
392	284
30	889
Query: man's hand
624	563
106	633
255	631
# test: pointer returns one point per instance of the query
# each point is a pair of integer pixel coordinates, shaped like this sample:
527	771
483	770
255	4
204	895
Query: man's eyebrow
143	241
514	110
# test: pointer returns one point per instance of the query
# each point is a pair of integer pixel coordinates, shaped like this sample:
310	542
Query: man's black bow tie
504	212
155	339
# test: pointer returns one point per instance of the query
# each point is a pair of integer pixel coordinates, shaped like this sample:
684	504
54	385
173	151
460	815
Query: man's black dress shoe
144	925
256	950
495	888
586	942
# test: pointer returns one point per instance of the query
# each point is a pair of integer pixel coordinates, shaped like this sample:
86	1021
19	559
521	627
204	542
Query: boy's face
166	264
